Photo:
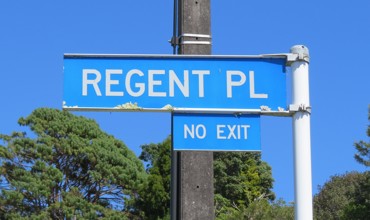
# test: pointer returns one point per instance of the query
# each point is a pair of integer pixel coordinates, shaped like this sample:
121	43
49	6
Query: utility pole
195	190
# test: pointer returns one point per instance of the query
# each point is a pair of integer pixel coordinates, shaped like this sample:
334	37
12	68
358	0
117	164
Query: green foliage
359	207
260	209
71	168
337	195
243	184
363	149
347	196
240	179
154	197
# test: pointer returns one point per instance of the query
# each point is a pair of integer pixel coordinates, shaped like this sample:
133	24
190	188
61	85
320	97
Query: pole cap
302	52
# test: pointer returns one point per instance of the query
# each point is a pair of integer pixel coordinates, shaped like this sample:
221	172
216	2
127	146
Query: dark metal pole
175	23
174	177
195	177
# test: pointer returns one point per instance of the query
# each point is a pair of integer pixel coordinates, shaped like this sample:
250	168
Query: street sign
156	83
207	132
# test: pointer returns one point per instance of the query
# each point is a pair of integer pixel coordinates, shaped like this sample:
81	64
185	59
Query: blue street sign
205	132
170	82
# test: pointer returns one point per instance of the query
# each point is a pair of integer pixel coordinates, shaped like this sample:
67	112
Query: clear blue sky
34	35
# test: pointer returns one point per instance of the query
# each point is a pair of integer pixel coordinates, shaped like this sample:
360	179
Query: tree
336	195
359	207
347	196
69	169
261	209
154	197
363	148
240	179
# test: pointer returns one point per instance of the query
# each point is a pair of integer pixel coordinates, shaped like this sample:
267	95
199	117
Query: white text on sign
136	83
223	131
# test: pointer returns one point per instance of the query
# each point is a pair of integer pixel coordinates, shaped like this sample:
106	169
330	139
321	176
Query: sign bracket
179	40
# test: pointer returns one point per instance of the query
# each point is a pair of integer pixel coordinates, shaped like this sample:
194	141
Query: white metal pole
301	134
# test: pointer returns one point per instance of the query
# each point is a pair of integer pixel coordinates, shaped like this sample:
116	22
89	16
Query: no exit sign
215	132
